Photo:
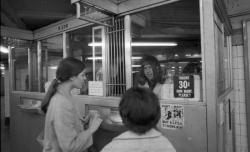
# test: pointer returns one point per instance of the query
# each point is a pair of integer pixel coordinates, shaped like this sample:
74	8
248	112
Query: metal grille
116	82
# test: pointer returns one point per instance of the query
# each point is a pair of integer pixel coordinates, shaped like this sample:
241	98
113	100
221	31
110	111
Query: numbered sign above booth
184	86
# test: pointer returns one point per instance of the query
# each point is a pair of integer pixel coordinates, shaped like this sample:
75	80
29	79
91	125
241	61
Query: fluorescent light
136	66
153	44
162	65
4	49
96	58
53	67
142	44
95	44
136	57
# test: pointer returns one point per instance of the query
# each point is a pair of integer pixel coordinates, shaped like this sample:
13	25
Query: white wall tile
238	148
237	130
240	50
244	149
241	96
241	74
235	63
243	119
240	63
241	85
236	95
243	131
242	108
238	140
234	51
236	74
239	100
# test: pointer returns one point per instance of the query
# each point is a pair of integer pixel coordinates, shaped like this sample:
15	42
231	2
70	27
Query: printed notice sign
95	88
172	116
184	86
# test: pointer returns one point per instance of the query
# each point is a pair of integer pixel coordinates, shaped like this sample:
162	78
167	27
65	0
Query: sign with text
184	86
172	116
95	88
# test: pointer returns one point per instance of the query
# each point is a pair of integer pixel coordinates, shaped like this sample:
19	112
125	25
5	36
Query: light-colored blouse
151	141
64	131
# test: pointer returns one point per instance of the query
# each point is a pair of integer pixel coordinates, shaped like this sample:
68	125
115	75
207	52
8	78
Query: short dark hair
139	109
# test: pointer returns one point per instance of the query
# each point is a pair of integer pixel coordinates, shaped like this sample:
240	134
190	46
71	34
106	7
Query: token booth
190	40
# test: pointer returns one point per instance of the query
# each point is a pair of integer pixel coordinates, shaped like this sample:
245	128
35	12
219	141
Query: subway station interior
203	50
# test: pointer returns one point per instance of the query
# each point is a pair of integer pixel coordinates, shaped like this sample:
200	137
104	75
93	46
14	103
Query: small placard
172	116
184	86
95	88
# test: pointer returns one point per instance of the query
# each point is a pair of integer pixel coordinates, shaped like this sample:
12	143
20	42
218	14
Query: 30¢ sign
184	86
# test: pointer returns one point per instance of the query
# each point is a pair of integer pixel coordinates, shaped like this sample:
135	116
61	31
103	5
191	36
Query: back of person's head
67	68
139	109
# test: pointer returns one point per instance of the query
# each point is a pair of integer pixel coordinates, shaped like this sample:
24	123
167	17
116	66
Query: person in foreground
64	127
140	111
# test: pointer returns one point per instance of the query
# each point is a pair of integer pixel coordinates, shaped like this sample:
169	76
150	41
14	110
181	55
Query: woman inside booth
150	75
64	126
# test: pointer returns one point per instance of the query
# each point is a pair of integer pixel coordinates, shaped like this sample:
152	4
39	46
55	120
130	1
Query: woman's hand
95	121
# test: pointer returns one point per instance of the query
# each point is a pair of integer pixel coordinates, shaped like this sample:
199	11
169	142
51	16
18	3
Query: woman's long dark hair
157	72
67	68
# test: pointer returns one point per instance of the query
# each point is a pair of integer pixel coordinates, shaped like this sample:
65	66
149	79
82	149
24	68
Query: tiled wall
240	104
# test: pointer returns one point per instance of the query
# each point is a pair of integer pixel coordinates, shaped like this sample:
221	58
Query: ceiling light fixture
4	49
142	44
153	44
53	67
94	58
95	44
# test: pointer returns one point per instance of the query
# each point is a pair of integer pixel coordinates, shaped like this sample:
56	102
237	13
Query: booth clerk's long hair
157	72
67	68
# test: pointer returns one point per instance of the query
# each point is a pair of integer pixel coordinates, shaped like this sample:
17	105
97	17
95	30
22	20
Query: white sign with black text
172	116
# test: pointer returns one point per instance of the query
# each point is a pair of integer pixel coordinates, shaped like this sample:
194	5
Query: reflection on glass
21	75
173	42
86	45
52	53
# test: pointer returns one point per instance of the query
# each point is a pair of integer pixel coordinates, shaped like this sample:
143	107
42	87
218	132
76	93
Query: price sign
184	86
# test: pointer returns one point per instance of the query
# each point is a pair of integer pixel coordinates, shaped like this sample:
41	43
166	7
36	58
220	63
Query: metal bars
116	82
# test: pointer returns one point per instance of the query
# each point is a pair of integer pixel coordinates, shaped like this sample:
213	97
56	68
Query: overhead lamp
136	66
94	58
95	44
153	44
53	67
4	49
136	57
142	44
2	67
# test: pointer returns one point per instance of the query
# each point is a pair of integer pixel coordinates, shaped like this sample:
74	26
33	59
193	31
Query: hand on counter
94	121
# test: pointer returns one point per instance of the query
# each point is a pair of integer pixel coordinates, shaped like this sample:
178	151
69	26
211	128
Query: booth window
102	50
87	44
19	50
175	43
51	54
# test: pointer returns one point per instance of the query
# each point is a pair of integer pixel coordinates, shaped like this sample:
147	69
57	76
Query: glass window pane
20	64
52	53
165	49
86	44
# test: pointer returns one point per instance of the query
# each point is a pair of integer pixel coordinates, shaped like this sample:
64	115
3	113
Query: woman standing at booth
64	127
